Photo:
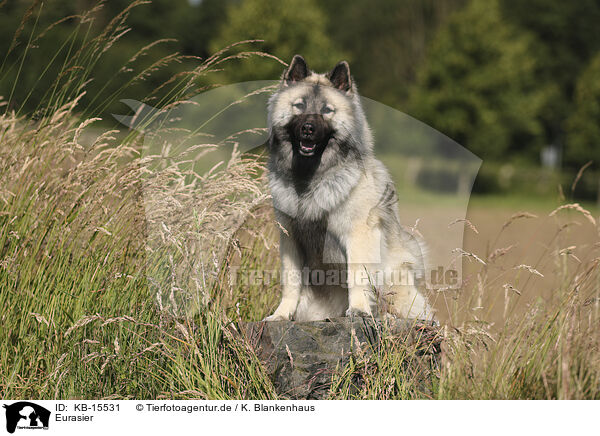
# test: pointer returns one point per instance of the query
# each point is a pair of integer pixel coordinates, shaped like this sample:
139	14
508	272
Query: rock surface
302	356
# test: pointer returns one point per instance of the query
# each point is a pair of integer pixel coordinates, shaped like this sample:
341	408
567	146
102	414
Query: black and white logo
26	415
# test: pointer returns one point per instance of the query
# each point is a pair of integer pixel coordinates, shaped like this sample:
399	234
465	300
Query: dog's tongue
307	148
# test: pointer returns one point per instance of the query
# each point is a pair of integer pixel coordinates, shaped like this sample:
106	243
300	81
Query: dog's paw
356	313
277	317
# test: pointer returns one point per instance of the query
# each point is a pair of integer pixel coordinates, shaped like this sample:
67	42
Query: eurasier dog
343	250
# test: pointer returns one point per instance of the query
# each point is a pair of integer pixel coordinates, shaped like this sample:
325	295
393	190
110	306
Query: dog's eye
326	110
300	105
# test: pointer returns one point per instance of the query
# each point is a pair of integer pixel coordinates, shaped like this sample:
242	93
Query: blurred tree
568	35
478	84
199	25
386	40
18	19
286	26
583	126
155	20
38	51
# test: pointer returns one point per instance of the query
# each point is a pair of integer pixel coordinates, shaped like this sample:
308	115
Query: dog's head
312	111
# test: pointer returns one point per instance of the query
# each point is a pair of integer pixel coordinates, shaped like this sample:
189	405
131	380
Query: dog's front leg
363	254
291	279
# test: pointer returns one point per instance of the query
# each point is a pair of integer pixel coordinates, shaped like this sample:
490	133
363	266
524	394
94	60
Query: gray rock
302	356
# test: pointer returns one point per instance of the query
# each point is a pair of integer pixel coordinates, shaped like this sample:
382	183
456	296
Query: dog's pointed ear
340	76
297	71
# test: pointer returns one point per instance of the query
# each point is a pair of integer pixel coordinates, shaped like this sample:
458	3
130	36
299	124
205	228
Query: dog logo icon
26	415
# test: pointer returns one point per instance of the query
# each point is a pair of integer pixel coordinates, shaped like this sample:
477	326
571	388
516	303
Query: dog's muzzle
311	132
308	144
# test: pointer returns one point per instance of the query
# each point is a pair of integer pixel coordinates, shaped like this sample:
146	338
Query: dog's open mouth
307	149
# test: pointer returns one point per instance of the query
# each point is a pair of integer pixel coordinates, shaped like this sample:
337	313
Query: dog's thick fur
336	205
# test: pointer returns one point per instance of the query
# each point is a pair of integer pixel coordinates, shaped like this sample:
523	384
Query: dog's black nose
308	130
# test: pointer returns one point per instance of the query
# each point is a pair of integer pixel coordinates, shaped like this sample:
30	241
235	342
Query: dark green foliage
583	126
502	77
569	36
386	41
286	27
477	85
42	50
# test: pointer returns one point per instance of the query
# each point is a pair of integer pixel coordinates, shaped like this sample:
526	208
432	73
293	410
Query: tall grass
107	293
80	318
546	349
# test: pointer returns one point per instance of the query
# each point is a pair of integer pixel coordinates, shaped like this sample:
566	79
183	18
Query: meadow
116	281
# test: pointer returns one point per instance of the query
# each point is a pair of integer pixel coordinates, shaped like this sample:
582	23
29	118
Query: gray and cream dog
343	250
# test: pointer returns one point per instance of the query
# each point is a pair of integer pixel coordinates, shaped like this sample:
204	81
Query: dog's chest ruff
324	194
319	246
